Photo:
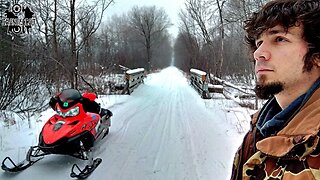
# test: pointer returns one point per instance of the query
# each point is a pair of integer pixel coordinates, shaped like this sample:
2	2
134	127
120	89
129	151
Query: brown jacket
292	154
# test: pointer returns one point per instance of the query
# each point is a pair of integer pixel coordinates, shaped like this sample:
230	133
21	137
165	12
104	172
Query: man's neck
288	95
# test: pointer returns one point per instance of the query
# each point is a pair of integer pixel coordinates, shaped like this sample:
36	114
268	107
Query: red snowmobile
71	131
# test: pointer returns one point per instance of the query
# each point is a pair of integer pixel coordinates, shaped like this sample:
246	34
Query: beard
267	90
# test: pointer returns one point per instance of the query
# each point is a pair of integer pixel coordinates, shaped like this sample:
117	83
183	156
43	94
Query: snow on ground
162	131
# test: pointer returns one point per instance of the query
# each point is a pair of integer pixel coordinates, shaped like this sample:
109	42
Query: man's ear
316	59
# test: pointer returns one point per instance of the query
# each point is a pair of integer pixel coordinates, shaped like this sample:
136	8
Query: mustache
263	64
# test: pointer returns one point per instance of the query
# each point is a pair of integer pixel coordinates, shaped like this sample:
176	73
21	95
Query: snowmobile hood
57	128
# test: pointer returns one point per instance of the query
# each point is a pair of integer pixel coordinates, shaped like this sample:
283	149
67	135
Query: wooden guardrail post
200	83
134	78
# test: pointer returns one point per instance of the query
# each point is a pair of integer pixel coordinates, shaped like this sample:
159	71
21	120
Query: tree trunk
220	60
74	61
55	45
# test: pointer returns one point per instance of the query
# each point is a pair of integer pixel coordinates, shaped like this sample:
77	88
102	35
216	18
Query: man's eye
258	43
280	39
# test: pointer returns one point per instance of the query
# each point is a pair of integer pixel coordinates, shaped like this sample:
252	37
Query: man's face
279	60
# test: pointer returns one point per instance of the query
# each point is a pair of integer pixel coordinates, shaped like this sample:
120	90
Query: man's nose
262	53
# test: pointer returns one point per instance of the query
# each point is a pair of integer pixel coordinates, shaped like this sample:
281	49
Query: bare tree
218	24
118	44
187	45
68	25
17	71
200	11
90	22
74	60
237	57
55	49
149	23
219	61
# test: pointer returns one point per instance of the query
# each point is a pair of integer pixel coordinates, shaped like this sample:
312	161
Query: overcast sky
172	8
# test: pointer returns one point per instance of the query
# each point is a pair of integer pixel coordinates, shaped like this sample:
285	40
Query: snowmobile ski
86	171
34	155
17	167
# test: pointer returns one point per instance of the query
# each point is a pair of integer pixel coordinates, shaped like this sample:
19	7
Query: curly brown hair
288	13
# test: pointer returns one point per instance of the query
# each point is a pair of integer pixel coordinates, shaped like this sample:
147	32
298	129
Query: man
284	139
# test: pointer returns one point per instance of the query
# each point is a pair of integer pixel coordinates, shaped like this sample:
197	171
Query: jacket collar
272	118
302	126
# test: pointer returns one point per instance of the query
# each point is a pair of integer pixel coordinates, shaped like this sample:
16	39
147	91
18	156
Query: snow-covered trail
162	131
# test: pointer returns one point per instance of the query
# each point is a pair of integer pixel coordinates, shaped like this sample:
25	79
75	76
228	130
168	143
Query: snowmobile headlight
72	112
59	112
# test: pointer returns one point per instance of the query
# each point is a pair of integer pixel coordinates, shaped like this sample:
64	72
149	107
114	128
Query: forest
71	39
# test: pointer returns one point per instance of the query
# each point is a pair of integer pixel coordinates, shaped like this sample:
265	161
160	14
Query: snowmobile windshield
69	97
